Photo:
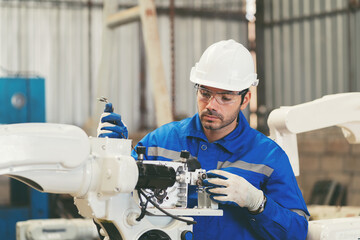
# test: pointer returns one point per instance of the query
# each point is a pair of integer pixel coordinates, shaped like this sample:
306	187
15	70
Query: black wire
148	198
143	207
165	212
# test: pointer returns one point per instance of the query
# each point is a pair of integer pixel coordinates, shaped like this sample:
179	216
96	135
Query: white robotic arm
342	110
104	179
50	158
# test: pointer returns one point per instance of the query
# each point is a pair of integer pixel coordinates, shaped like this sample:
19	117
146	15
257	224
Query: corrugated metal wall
61	41
51	40
311	49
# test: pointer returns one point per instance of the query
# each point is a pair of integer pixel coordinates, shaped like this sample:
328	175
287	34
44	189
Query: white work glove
228	188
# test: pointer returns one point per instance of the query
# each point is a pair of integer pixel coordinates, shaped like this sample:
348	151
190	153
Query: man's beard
207	124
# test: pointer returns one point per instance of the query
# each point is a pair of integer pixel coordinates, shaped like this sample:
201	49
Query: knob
141	150
184	154
187	235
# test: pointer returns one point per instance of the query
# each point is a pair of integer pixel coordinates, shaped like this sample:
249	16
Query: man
249	174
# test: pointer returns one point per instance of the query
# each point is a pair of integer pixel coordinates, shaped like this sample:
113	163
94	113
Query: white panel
185	60
267	12
296	8
329	54
317	78
297	56
307	55
269	73
277	61
276	10
125	83
296	69
339	53
285	9
286	66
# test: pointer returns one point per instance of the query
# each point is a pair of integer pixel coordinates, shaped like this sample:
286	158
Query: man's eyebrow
224	92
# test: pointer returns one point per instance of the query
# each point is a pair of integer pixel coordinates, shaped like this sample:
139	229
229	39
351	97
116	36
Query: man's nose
212	103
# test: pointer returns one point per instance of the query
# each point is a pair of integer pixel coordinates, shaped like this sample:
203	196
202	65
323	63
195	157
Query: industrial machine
342	110
127	199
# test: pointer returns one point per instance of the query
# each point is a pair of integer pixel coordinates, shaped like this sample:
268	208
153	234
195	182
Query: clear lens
221	97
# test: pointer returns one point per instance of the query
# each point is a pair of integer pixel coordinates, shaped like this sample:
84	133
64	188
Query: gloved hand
228	188
110	124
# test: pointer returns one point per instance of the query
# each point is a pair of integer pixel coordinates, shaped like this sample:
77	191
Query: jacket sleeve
277	222
285	215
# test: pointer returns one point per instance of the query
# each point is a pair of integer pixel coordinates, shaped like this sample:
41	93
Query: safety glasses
222	98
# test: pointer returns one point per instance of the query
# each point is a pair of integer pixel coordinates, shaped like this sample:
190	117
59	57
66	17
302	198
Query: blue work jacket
247	153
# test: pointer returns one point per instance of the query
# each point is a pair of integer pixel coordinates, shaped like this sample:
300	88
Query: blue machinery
22	100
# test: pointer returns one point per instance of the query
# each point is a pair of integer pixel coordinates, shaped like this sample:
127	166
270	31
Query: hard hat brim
227	84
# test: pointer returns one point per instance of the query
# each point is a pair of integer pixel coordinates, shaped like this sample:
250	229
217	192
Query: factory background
62	41
304	50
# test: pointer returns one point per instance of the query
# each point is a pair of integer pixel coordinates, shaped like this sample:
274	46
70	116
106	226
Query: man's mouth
211	115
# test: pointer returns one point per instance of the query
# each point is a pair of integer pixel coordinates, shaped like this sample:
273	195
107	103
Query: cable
143	207
163	211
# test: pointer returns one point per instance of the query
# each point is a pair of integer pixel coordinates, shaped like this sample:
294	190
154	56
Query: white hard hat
225	65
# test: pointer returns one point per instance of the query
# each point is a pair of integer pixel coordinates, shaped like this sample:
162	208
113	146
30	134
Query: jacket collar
230	142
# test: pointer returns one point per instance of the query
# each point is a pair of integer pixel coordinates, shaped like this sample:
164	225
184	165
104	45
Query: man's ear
246	101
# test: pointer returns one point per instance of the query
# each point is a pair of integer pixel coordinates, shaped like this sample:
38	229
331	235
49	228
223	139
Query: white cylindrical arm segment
58	158
45	145
48	157
341	110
